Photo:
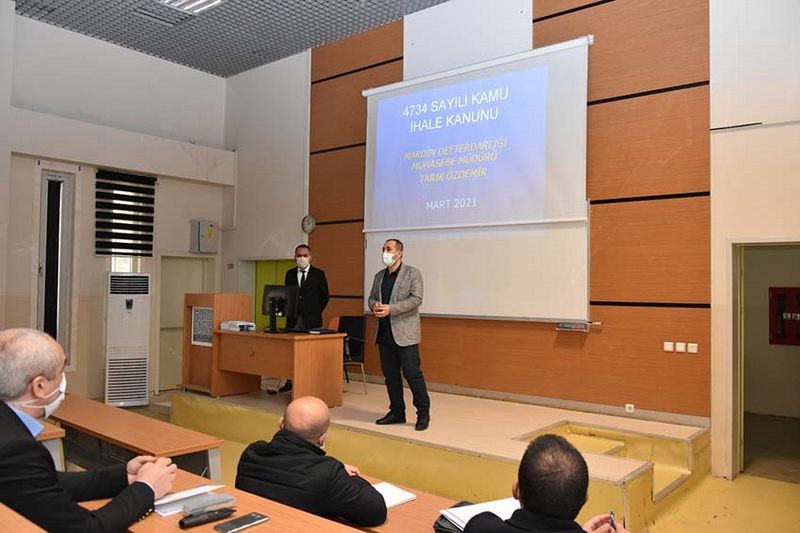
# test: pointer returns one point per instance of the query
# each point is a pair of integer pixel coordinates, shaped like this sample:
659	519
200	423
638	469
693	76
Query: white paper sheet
461	515
393	495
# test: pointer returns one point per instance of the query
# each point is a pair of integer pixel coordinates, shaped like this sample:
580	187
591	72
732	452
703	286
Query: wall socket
630	408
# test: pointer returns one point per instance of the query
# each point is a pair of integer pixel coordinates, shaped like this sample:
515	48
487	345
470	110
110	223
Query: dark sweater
520	521
295	472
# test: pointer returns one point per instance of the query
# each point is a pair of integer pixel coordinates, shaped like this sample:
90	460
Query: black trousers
395	358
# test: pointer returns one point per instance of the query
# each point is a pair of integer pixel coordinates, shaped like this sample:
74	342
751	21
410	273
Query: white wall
6	62
63	73
754	172
771	371
267	121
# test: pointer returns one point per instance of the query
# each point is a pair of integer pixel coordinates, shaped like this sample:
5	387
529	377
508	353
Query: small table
98	434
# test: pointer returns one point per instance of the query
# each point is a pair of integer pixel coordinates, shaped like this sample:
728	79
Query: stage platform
473	445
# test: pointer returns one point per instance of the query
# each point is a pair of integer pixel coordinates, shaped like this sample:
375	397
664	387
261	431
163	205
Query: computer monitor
279	300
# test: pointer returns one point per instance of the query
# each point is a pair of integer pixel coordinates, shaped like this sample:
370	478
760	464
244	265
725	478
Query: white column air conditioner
127	339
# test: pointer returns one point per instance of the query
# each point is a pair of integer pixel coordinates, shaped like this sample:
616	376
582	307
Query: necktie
302	278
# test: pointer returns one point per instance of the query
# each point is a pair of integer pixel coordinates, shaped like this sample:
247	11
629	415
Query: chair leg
346	375
363	378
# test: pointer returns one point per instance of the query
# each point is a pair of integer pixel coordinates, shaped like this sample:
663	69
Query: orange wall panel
651	251
618	363
339	111
336	184
650	145
339	251
367	48
639	45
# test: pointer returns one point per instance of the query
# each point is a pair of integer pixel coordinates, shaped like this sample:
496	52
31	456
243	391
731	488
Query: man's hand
381	310
135	464
351	470
602	524
159	474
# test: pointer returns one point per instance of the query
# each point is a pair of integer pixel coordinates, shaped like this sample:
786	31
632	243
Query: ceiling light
192	7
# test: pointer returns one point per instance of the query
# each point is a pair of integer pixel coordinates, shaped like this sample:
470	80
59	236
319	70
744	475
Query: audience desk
312	362
98	434
11	522
51	438
281	518
416	516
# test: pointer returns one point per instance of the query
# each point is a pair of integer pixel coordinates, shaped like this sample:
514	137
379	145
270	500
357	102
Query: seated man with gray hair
32	386
293	469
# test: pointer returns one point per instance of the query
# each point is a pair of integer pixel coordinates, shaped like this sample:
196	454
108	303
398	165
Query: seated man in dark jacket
293	469
552	487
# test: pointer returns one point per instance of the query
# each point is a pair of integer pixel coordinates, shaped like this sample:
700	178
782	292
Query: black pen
196	519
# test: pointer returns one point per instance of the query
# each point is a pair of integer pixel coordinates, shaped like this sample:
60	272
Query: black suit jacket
520	521
30	485
295	472
312	297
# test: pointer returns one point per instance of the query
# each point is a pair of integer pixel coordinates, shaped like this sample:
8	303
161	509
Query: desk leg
56	451
214	465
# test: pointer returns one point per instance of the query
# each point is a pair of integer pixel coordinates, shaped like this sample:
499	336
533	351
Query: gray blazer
404	303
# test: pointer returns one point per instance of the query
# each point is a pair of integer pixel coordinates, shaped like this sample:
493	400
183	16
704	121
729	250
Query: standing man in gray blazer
395	299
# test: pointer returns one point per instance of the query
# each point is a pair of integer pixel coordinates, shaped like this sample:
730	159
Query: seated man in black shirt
551	488
293	469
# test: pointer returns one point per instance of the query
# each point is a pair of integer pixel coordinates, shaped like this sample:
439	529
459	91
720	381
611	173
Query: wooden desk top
50	432
131	431
281	517
11	522
295	337
414	516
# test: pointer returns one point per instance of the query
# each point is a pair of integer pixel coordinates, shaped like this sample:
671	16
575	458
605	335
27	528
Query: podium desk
11	522
313	362
98	435
281	517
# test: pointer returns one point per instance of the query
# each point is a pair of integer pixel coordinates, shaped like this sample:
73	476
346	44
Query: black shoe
286	386
423	421
391	418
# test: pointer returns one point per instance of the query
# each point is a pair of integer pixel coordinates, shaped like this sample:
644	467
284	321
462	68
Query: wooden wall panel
621	362
336	184
639	45
339	112
651	251
367	48
651	145
341	307
544	8
339	251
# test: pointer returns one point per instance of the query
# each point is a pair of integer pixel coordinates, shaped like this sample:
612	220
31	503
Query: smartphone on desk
243	522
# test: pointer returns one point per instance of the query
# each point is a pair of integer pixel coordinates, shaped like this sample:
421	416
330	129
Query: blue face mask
50	408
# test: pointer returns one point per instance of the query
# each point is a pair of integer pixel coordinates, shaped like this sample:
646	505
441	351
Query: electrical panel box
203	237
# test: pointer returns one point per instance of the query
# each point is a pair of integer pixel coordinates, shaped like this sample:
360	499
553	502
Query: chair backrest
354	327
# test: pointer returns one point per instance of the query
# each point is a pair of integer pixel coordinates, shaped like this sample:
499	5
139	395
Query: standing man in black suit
312	296
551	488
32	385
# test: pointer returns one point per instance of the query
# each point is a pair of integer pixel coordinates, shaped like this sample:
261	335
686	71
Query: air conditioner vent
130	285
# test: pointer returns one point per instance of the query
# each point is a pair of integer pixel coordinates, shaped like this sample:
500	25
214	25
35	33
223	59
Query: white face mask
388	259
50	408
303	262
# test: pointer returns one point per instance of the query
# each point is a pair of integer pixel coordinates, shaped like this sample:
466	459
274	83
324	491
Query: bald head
24	355
308	417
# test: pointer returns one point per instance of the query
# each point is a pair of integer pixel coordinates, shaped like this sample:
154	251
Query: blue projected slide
467	153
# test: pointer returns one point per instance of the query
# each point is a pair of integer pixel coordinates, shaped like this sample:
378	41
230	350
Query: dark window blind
124	214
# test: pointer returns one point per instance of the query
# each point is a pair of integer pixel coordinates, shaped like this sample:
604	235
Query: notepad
461	515
393	495
173	503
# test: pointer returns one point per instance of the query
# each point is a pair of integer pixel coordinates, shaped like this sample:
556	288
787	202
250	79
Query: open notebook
459	516
393	495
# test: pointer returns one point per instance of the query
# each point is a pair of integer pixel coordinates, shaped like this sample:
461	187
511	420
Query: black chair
353	327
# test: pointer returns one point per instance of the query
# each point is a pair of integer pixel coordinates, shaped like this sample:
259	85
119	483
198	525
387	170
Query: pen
613	520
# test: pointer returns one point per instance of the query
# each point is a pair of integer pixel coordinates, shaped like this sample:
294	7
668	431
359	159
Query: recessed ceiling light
192	7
